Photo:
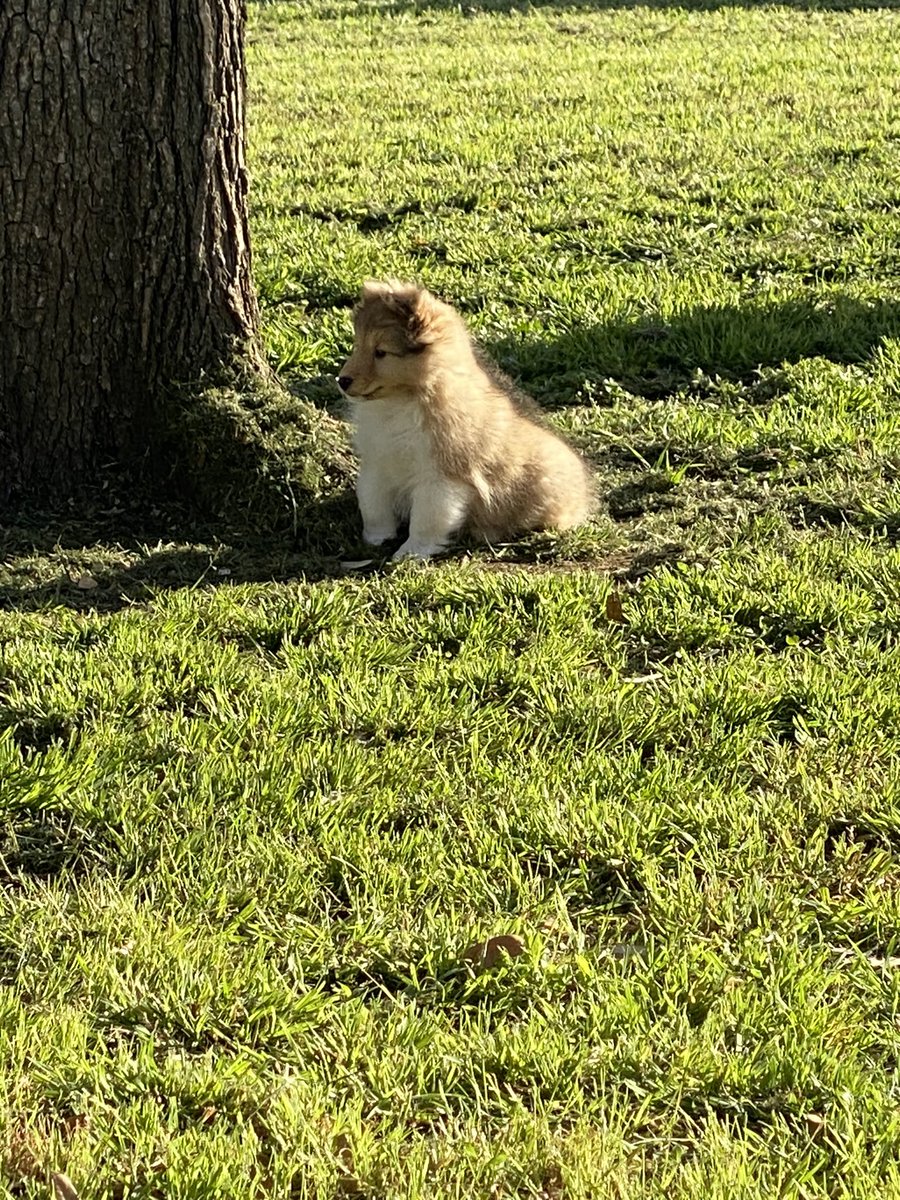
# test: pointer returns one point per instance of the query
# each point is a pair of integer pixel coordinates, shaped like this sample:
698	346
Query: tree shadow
256	485
653	356
105	564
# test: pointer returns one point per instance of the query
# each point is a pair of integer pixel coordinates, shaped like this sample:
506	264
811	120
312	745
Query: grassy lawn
253	813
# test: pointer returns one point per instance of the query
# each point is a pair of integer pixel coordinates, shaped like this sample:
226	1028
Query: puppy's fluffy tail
550	487
567	494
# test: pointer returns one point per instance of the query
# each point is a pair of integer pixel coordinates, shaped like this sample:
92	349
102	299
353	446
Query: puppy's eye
380	353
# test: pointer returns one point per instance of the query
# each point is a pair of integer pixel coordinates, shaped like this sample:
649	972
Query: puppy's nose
344	382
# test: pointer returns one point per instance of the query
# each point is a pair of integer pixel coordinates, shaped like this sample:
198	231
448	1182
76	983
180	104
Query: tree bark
124	247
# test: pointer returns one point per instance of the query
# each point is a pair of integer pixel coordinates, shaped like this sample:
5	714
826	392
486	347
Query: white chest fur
399	480
391	441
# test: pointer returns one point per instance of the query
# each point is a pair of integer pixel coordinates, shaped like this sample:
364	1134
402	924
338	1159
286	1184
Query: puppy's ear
427	317
373	289
414	308
420	313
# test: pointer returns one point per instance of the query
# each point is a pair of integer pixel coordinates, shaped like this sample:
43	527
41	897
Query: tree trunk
124	248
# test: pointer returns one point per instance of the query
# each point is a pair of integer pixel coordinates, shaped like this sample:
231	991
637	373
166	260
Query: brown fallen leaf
815	1125
488	954
63	1188
86	582
74	1122
614	608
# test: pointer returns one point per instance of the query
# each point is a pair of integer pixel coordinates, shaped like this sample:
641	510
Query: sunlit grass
253	814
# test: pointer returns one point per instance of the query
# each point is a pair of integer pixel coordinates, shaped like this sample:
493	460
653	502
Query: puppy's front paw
377	535
411	549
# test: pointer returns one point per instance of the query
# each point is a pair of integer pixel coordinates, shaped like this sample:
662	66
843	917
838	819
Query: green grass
253	813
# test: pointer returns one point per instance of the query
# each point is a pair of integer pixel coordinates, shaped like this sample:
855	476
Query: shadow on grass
653	356
106	561
39	843
255	486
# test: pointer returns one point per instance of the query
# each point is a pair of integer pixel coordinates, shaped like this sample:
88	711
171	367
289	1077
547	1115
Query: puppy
443	441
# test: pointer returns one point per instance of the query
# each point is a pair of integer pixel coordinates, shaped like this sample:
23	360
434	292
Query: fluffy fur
443	442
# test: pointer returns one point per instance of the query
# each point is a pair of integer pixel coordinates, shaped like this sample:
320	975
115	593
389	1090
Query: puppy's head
398	327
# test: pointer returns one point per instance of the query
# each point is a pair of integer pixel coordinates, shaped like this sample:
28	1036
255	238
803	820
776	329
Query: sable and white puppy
442	438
